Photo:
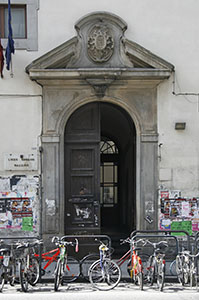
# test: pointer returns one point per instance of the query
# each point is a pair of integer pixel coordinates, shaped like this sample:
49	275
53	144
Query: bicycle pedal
12	283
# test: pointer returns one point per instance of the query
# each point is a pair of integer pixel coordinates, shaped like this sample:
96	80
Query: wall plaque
22	161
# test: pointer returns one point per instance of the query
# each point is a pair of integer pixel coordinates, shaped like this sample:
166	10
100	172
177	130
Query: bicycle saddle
3	250
159	251
137	248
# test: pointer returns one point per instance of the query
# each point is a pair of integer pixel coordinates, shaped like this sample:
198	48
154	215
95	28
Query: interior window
109	173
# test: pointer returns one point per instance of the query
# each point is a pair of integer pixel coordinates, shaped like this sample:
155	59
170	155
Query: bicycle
104	274
135	266
186	268
62	270
49	257
89	259
156	265
193	269
7	265
28	265
180	267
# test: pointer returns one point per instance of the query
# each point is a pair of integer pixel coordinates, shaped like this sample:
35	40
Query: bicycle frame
124	258
156	259
47	257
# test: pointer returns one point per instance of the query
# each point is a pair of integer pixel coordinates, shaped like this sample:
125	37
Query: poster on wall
178	213
19	205
13	212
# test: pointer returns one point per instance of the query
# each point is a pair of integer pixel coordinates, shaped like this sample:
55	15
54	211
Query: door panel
82	139
84	124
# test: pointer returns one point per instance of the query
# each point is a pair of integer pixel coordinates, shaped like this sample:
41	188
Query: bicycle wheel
144	258
192	279
33	271
193	275
12	274
104	275
2	277
57	280
185	274
71	270
23	276
179	270
150	274
160	275
140	280
172	268
86	262
136	271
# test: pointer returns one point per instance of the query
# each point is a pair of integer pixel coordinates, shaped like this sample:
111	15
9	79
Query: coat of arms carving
100	43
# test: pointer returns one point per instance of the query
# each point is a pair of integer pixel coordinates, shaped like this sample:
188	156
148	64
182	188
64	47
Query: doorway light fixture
180	126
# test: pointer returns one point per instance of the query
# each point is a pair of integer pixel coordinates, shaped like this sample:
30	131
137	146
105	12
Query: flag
1	60
10	46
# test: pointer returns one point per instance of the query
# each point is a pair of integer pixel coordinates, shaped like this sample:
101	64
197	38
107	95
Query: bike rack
155	236
94	237
164	234
196	240
20	238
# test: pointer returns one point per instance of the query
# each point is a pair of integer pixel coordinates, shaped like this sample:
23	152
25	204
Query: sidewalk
84	291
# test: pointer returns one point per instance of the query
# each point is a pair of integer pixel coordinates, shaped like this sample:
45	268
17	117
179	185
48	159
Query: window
18	14
108	173
24	23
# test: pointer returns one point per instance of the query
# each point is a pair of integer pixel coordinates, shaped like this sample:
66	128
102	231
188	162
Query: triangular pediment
100	44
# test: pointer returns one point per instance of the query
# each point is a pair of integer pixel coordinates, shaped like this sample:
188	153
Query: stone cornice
131	74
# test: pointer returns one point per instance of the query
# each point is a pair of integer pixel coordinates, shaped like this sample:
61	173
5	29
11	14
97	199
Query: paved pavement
84	291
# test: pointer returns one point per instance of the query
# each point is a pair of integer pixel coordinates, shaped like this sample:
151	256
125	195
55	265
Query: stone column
51	185
148	181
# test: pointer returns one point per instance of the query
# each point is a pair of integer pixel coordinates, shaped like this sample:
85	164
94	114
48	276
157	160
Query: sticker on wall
27	224
182	225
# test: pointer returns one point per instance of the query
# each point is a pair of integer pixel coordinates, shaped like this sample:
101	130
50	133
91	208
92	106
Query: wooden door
82	161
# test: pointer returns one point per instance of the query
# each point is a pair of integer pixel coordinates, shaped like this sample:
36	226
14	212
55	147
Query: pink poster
195	227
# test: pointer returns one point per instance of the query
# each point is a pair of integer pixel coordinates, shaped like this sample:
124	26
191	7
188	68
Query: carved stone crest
100	43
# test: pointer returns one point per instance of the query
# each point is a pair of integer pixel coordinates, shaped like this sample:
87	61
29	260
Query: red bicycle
47	258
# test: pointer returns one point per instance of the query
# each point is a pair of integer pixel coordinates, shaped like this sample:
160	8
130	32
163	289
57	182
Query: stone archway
111	69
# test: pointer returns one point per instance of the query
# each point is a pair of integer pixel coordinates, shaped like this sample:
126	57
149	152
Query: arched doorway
100	170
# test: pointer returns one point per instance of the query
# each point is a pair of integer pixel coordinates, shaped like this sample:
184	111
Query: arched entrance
126	74
100	170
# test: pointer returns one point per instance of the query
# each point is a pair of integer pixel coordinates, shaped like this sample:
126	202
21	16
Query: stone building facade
96	119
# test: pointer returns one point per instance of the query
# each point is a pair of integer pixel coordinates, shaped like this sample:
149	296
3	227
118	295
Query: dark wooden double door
82	173
84	209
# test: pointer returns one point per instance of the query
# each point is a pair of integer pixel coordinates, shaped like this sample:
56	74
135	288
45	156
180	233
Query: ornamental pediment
100	44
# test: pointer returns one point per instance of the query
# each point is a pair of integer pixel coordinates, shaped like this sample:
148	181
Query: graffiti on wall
19	205
178	213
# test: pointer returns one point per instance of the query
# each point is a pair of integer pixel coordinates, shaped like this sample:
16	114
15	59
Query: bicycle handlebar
60	242
28	244
133	241
103	247
191	255
165	243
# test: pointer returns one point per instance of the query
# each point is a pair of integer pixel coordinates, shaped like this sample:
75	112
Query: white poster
185	209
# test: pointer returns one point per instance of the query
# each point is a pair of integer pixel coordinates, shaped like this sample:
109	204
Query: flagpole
10	46
11	68
1	59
